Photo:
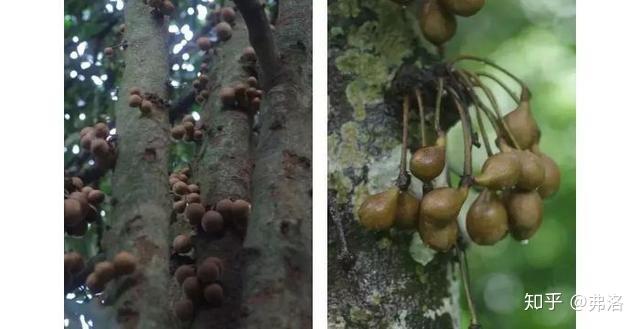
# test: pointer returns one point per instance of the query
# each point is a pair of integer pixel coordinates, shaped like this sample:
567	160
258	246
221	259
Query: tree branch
261	40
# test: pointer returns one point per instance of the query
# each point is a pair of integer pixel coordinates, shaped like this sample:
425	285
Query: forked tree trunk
386	279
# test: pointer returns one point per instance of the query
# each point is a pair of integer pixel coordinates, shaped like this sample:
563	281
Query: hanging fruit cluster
438	17
512	182
80	206
243	96
124	263
97	140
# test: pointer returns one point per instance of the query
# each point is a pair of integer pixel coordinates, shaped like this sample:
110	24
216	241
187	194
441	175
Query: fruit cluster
124	263
189	129
222	20
201	285
97	140
80	206
438	17
145	101
512	182
242	96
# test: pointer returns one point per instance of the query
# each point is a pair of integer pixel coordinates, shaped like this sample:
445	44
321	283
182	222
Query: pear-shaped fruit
378	211
464	8
487	221
531	170
407	211
551	182
439	239
438	25
525	214
500	171
427	162
442	205
522	124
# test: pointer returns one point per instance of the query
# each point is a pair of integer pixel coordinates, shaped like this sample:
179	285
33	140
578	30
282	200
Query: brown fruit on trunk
184	310
180	188
178	131
182	244
378	211
442	205
73	262
500	171
228	14
487	221
95	197
407	211
212	222
94	284
438	25
125	263
525	214
552	174
223	30
192	288
203	43
72	212
464	8
179	206
194	213
135	100
427	162
439	239
105	271
208	271
183	272
214	294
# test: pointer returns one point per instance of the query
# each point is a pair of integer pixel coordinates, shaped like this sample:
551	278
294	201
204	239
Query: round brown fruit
442	205
407	211
135	91
228	14
178	131
72	212
146	106
438	25
439	239
193	198
179	206
94	284
428	162
225	208
99	147
180	188
182	244
124	263
214	294
183	272
184	310
84	202
73	262
192	288
500	171
487	221
194	213
204	43
212	222
101	130
249	54
223	30
105	271
525	214
95	197
194	188
208	271
135	100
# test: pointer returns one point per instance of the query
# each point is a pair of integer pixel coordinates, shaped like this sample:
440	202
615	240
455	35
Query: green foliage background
536	41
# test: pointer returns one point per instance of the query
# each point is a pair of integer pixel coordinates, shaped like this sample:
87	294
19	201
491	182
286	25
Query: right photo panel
451	147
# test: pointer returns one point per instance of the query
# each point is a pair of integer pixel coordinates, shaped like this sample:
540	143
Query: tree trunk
223	169
385	279
278	270
142	206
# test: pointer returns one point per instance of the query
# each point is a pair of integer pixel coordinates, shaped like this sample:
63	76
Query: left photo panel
188	161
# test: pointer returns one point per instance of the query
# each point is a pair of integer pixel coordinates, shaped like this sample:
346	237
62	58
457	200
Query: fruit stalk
501	83
423	132
466	131
490	63
466	282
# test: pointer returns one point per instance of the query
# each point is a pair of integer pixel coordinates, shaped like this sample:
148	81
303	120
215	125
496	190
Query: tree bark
384	279
142	206
278	271
223	169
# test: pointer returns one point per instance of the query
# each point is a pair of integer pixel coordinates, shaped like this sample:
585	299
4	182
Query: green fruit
500	171
428	162
407	211
525	214
442	205
487	221
378	211
464	8
438	25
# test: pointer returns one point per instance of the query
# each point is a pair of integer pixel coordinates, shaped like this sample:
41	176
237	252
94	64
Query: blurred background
536	41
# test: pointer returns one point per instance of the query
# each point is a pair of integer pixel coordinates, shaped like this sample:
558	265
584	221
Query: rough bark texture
142	207
223	170
386	279
278	271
